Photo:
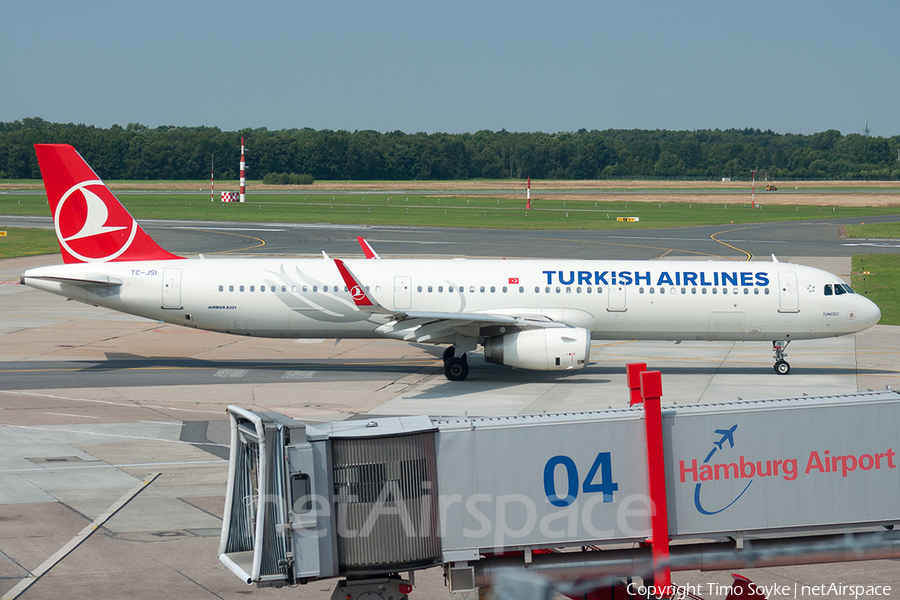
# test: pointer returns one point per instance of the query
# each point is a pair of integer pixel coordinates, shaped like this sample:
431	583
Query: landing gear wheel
782	367
449	352
456	368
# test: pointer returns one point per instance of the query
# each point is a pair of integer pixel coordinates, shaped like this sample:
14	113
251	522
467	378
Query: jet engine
556	349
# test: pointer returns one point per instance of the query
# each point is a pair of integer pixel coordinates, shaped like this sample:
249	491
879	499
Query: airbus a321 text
530	314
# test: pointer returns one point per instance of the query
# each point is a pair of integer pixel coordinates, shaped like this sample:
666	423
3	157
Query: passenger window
472	289
419	289
704	290
568	290
521	290
557	289
230	288
241	289
693	290
450	288
756	291
493	289
304	289
578	290
221	288
724	290
767	291
588	290
652	290
715	290
599	290
662	290
429	289
440	288
252	288
315	288
640	290
547	289
504	289
683	291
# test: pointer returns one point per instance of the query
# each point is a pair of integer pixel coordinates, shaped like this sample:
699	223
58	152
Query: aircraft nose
870	312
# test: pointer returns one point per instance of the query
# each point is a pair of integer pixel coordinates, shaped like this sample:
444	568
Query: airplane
727	436
529	314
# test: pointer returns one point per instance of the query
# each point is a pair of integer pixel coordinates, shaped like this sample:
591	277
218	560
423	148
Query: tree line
171	153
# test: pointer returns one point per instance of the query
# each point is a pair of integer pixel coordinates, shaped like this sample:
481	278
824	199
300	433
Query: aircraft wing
424	326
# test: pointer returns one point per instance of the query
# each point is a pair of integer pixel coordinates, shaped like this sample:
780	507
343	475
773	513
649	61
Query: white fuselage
293	298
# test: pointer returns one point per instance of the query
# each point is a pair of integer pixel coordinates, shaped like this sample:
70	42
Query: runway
796	238
94	402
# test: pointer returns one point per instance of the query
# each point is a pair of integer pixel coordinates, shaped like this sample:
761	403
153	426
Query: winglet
774	259
367	248
361	297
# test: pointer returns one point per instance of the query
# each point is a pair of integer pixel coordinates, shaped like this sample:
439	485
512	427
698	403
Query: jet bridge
775	482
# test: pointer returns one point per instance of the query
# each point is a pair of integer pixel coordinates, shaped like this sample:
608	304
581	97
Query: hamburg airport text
686	278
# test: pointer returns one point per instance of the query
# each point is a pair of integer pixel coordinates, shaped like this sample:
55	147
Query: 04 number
599	479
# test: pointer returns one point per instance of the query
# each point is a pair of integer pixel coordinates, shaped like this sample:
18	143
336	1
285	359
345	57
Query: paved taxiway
92	403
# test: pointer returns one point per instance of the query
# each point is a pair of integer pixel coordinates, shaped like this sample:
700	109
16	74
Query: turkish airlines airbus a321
530	314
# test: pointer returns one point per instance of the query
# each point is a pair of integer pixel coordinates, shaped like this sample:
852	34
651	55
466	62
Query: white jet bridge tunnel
775	482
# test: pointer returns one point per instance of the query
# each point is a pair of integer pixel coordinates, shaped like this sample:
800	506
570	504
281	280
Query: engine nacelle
556	349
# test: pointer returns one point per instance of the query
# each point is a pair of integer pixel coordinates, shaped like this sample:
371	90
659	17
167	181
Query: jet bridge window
300	493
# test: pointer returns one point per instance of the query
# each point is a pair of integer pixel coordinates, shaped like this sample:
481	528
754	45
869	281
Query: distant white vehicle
530	314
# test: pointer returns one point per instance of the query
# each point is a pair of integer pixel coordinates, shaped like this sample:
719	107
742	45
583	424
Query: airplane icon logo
727	436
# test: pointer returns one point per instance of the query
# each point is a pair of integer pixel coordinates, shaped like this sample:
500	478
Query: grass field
20	241
434	211
876	230
877	276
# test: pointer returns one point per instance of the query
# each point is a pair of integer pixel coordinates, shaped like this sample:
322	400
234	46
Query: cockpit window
839	288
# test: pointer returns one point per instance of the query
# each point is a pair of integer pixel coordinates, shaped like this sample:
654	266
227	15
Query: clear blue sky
794	66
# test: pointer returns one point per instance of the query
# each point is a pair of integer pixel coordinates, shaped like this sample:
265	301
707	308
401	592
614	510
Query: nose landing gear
781	366
456	368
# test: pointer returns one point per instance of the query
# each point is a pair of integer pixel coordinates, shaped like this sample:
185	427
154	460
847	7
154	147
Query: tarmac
113	435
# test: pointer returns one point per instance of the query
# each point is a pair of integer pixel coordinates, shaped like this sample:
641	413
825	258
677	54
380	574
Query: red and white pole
528	195
243	164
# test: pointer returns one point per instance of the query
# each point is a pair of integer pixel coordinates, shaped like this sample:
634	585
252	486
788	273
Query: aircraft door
402	292
789	298
616	295
171	288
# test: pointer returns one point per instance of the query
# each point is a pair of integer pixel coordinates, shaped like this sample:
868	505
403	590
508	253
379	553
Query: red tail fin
91	224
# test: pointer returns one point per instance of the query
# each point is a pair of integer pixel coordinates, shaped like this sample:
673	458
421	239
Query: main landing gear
781	366
456	368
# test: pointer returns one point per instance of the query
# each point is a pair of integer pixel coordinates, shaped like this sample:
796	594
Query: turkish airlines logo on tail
91	224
